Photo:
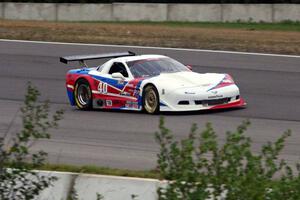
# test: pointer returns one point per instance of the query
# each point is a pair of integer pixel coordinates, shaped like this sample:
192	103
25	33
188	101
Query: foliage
18	181
199	167
90	169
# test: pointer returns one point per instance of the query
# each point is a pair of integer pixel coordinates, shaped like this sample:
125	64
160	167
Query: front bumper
222	98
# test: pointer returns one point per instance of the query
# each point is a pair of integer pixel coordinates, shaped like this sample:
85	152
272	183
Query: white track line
147	47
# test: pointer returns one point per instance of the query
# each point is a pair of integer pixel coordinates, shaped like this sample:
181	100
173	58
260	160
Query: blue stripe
110	81
71	97
217	84
79	71
140	100
162	104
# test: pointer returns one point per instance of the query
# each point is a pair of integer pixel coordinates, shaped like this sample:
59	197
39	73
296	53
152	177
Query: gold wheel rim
150	101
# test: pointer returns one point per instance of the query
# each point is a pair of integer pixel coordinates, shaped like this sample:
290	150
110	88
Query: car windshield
154	67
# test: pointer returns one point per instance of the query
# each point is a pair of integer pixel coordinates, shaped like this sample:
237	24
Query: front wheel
83	95
151	100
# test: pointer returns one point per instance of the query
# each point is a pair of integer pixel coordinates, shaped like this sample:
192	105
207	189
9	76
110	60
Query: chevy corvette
151	83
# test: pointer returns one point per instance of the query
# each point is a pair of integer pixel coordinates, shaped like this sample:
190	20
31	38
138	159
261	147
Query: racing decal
139	96
215	86
125	93
102	87
107	87
162	104
113	93
111	82
108	103
215	96
238	103
71	97
132	104
226	81
121	82
110	95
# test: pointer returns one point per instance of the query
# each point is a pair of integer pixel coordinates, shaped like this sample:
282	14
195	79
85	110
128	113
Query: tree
17	180
199	167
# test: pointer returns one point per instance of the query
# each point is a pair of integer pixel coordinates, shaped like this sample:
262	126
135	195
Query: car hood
181	80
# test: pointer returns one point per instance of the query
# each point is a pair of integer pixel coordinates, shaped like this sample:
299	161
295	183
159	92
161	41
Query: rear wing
82	58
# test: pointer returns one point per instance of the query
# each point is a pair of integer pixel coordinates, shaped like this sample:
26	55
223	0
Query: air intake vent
212	102
198	102
183	103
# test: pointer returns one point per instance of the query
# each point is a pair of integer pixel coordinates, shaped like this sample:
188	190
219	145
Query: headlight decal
226	81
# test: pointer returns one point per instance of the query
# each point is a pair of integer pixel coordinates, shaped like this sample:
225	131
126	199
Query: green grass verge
282	26
88	169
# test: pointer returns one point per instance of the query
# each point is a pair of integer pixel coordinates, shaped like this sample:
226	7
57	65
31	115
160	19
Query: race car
150	83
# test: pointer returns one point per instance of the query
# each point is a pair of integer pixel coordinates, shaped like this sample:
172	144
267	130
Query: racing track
270	84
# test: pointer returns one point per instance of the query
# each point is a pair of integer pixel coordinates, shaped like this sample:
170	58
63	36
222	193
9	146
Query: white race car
151	83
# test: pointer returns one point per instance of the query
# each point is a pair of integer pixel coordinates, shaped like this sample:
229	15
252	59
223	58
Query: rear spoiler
82	58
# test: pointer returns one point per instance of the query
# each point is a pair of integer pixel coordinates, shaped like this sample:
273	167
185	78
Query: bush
17	180
199	167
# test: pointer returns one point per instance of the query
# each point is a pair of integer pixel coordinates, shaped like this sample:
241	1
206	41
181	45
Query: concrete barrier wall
110	187
151	12
115	188
247	12
192	13
139	12
61	188
1	10
30	11
286	12
84	12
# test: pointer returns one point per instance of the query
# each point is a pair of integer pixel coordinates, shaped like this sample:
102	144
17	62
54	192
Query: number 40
102	87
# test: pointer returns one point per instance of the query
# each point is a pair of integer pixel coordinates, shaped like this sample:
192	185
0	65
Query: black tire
83	95
150	100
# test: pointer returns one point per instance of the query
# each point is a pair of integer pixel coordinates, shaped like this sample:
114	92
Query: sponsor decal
125	93
136	93
121	82
108	103
132	104
189	92
215	96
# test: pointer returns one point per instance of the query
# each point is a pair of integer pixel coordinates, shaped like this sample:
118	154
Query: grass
282	38
282	26
285	26
88	169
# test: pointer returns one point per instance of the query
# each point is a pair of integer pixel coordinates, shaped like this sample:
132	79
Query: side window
99	68
118	67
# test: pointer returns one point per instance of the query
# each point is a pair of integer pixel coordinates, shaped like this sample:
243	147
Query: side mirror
118	75
189	67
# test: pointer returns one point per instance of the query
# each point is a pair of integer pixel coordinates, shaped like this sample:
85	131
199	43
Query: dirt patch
149	34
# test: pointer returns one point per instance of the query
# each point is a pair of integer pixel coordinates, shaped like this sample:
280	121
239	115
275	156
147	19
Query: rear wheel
83	95
150	100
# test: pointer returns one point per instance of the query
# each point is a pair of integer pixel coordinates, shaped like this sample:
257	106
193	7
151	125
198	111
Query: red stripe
239	103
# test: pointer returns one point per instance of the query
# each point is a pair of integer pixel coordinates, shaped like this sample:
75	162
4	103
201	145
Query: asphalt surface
269	84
